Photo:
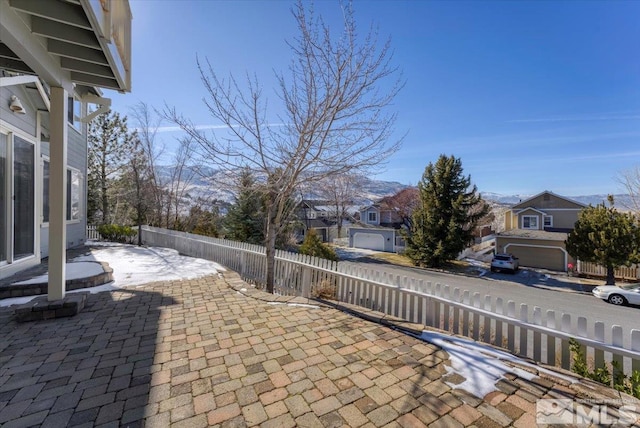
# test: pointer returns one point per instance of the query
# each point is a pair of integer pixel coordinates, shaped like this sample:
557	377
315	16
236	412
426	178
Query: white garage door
370	241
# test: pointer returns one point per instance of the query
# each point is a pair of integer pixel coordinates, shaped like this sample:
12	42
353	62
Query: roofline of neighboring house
521	210
551	193
540	237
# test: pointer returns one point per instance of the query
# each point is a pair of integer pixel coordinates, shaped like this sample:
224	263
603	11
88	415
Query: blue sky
532	96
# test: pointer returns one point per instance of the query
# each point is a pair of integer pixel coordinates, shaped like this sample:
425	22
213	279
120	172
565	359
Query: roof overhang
82	42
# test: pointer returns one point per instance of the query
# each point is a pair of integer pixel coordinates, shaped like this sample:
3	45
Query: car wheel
617	299
493	269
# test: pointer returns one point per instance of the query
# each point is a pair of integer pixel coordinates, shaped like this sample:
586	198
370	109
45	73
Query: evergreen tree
443	221
110	147
244	221
313	246
605	236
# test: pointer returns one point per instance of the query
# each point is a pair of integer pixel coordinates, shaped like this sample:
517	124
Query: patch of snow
348	253
481	365
132	266
73	271
302	305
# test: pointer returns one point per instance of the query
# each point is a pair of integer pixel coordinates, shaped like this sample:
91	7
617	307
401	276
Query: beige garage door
545	258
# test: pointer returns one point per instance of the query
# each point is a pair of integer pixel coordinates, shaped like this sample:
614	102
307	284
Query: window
23	198
74	190
73	194
530	222
45	192
548	221
373	217
73	111
311	214
3	200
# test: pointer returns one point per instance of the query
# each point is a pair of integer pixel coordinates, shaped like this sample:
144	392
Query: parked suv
502	262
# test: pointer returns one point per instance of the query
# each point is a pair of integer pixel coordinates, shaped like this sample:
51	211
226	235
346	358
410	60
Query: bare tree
181	178
147	124
630	179
335	95
340	191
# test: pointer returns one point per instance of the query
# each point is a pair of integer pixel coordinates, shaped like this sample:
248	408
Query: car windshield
506	258
630	287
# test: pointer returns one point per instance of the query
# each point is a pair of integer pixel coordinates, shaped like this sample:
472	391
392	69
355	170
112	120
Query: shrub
117	233
313	246
613	378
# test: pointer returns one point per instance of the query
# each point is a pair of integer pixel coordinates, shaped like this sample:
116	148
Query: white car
506	262
619	294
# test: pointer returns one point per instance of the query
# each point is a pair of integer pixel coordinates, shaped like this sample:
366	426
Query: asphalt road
533	288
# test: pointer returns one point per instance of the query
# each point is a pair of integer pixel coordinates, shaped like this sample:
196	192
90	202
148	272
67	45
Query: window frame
544	221
68	218
372	217
529	217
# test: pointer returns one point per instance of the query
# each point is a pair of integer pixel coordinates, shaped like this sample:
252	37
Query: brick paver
200	353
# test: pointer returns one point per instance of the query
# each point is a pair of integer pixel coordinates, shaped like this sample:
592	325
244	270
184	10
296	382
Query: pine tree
313	246
444	218
110	147
605	236
244	221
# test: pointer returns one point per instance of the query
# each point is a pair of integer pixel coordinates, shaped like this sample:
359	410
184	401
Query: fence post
635	346
306	282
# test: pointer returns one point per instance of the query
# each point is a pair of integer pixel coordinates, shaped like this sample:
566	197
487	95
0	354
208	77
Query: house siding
565	219
552	201
24	122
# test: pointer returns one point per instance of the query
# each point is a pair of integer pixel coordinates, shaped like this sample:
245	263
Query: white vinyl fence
92	232
529	332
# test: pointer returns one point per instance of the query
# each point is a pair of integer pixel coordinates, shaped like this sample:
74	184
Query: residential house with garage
536	230
379	226
56	56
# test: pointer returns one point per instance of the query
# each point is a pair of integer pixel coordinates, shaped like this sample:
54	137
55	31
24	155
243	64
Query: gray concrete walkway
200	353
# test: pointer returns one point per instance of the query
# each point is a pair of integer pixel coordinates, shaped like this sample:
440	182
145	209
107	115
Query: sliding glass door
24	201
3	198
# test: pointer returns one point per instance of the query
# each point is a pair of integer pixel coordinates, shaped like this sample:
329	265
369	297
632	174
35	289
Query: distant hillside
210	184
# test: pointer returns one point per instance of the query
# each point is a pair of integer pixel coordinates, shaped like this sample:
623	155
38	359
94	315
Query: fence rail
529	332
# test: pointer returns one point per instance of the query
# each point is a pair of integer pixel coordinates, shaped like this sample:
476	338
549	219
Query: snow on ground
131	266
481	365
73	271
348	253
134	265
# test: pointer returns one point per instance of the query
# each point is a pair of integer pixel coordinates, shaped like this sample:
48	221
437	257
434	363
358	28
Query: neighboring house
315	215
378	229
535	231
54	58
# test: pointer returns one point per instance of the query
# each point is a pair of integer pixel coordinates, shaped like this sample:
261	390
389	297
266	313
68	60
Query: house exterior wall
547	200
564	218
26	123
529	213
537	253
27	126
364	216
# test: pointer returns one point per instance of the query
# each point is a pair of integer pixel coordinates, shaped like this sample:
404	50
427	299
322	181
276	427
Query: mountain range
213	184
